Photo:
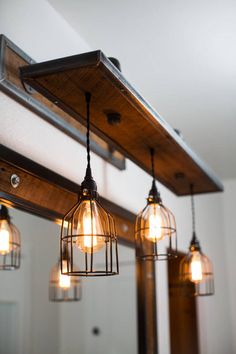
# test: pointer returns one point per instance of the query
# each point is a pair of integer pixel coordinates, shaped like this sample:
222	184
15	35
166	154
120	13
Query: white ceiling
180	55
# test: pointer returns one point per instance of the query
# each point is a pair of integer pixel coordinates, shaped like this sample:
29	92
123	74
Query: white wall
214	338
229	199
15	289
108	303
45	327
20	132
37	329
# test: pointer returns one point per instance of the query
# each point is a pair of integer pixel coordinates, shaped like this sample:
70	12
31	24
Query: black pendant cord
154	188
88	100
88	183
194	241
4	215
152	164
154	195
193	209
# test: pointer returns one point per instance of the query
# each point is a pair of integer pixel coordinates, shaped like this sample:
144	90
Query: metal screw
15	181
114	118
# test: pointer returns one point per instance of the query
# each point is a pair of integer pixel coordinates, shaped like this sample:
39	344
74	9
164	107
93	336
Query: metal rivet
15	181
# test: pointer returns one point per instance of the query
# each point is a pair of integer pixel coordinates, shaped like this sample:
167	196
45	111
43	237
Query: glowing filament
196	268
64	280
4	238
155	231
90	228
155	224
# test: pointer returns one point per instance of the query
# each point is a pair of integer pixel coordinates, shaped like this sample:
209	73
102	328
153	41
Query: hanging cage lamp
195	267
155	229
10	247
64	287
88	231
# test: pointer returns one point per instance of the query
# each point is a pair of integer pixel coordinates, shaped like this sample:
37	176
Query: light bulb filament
155	230
90	240
196	269
4	241
90	229
64	280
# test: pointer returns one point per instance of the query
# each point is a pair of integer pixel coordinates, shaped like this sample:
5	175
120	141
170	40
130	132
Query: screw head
113	118
15	180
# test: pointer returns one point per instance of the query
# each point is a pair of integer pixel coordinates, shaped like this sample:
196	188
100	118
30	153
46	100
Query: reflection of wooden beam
45	193
184	337
49	195
146	301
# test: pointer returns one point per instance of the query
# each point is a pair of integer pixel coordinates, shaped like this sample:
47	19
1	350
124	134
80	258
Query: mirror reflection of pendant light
88	231
155	229
195	267
10	247
63	287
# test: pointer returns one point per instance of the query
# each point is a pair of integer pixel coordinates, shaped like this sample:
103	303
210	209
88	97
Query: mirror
103	321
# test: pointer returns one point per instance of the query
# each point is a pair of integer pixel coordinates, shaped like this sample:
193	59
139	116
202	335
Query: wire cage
155	228
64	287
89	237
155	232
10	245
196	268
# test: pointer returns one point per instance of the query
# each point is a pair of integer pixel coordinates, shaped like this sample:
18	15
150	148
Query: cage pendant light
64	288
155	229
10	247
88	231
195	267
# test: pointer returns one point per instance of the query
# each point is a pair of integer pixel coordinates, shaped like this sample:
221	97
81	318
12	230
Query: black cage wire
88	233
155	229
64	288
10	244
196	267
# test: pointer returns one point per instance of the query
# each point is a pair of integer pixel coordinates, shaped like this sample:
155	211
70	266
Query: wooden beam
47	194
146	303
64	81
11	58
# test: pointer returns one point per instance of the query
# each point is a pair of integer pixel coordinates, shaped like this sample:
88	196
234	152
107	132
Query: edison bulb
155	230
4	237
89	228
196	267
64	280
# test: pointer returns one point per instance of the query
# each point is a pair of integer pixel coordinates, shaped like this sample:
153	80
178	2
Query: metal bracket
24	95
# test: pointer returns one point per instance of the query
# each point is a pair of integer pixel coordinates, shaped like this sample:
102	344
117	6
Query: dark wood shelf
64	82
